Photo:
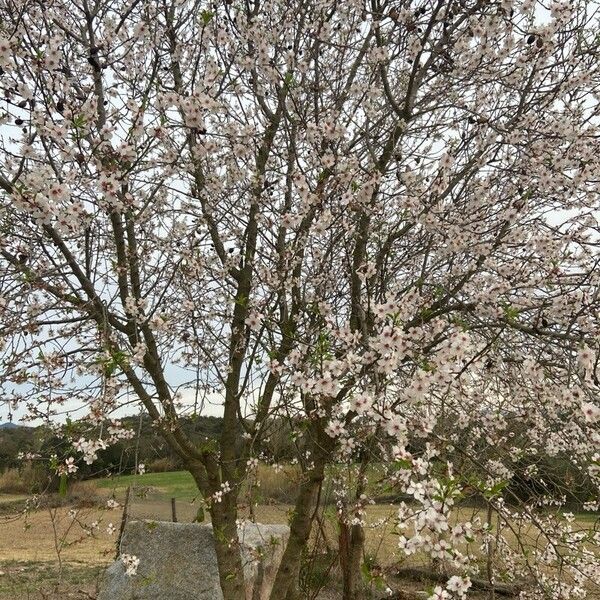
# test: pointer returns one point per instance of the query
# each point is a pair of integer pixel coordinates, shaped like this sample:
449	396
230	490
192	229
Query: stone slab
178	562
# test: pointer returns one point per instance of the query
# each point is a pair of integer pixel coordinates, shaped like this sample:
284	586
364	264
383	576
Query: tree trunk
344	555
224	521
229	558
352	540
352	537
286	581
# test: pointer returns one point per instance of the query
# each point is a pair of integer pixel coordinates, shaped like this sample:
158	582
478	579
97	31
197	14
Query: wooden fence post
123	520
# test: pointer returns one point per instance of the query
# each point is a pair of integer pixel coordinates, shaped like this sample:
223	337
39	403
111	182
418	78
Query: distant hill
10	426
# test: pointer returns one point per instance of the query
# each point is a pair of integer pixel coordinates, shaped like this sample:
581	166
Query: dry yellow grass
32	537
7	498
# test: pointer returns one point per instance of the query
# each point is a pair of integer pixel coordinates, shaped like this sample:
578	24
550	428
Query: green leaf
119	357
426	313
510	312
199	515
206	16
109	369
460	323
69	427
289	79
79	121
427	366
495	489
242	300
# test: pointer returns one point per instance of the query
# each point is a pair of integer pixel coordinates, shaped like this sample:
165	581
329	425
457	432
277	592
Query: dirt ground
56	553
52	554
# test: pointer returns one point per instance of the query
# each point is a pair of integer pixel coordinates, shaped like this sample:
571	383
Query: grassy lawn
176	484
157	487
281	486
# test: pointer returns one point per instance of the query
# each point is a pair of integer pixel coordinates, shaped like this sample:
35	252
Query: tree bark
229	558
224	521
352	539
285	586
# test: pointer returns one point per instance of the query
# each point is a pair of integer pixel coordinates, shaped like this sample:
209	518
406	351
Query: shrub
162	465
28	479
278	485
84	494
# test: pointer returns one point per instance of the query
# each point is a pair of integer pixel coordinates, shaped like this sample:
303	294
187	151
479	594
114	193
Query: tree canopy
376	220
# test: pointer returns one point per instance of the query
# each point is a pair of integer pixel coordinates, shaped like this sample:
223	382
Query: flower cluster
89	448
131	563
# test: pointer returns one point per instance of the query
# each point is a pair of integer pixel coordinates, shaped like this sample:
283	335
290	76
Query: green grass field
175	484
279	486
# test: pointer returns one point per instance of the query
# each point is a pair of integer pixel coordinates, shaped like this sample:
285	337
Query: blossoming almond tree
376	219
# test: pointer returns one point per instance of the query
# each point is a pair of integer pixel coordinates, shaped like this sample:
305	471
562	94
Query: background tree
375	219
